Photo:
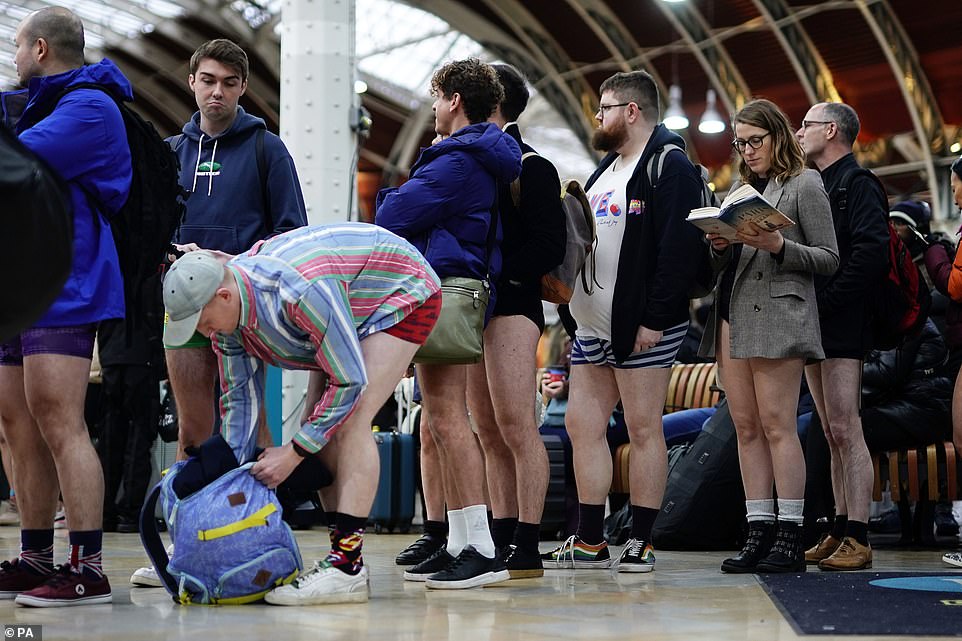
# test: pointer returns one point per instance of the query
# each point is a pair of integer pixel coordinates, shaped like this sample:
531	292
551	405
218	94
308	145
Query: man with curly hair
447	210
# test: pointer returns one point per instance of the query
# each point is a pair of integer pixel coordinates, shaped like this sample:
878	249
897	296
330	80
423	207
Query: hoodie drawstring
200	142
210	174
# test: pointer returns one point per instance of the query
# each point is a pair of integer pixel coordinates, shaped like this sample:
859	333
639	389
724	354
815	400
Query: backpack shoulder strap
262	174
516	183
841	193
176	142
657	162
150	537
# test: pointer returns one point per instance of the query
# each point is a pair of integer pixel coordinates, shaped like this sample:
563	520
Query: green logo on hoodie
208	167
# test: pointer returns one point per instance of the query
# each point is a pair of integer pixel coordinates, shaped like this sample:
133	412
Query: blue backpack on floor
230	544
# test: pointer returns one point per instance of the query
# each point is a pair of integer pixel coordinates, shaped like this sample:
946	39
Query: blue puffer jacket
444	209
84	139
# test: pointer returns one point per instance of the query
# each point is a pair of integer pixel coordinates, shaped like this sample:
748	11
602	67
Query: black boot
761	535
787	554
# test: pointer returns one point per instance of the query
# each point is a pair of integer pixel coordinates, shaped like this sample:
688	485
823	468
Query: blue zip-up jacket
445	207
85	141
225	209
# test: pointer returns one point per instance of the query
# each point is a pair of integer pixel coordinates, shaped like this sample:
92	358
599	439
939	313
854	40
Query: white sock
479	535
457	532
790	510
760	509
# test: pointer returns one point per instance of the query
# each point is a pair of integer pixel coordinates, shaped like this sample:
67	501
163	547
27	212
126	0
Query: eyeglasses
755	142
603	108
808	123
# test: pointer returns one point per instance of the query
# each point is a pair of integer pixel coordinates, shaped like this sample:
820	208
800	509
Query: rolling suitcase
393	507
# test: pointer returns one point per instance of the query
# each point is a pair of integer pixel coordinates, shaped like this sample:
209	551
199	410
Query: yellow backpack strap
516	183
258	518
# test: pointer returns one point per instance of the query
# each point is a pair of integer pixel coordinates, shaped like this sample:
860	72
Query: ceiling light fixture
711	120
675	117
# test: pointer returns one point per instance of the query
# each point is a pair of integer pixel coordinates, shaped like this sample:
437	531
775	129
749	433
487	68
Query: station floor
685	598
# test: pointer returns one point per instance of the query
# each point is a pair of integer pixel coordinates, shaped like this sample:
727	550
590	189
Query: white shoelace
568	547
633	547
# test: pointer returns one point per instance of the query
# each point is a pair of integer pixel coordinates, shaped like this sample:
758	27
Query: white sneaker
321	584
8	513
953	558
147	577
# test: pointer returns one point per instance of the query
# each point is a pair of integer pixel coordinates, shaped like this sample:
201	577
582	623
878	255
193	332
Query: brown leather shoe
825	547
850	555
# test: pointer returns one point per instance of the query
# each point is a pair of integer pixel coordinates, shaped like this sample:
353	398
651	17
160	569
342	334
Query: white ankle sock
479	535
790	510
457	532
760	509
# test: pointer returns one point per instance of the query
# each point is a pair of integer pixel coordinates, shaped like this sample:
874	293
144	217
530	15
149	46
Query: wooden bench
921	475
690	386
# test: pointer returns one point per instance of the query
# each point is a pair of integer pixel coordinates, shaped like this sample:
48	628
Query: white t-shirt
609	200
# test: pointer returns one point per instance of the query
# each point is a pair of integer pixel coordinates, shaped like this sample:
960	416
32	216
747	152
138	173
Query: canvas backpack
144	226
900	306
558	285
704	276
231	545
38	219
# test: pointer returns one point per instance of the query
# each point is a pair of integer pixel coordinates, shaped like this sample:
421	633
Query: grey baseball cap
189	285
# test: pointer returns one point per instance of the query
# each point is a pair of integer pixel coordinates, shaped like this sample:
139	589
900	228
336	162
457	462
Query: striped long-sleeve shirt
308	297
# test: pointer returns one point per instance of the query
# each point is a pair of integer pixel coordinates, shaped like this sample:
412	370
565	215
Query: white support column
318	106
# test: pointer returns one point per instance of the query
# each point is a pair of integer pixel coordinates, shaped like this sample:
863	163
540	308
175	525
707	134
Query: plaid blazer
773	312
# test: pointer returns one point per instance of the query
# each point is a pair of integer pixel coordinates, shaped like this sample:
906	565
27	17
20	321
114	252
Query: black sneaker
636	557
434	563
420	550
523	564
470	570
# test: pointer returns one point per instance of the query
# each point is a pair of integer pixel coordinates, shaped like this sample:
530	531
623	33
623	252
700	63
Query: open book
740	208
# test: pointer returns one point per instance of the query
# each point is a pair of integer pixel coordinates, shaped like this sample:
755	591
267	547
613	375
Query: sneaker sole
141	582
360	596
417	578
482	579
533	573
636	568
577	565
953	562
34	602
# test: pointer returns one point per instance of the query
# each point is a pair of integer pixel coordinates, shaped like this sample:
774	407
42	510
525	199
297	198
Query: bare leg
592	397
498	460
643	393
55	387
37	486
193	372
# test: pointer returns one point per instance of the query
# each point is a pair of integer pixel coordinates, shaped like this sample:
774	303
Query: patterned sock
348	537
36	551
591	523
527	535
642	518
85	552
858	531
502	531
838	527
331	518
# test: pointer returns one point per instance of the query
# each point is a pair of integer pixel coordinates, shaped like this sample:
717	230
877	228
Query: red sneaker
67	587
15	579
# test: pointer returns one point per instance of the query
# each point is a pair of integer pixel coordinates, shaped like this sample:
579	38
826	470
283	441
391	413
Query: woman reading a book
764	326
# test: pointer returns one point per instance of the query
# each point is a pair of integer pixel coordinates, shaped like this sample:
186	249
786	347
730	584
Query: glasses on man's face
755	142
811	123
603	108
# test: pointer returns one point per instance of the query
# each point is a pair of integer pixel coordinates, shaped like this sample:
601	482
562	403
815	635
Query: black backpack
38	219
901	303
144	226
704	276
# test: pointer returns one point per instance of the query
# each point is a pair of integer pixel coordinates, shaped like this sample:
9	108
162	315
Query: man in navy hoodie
630	329
43	378
242	188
